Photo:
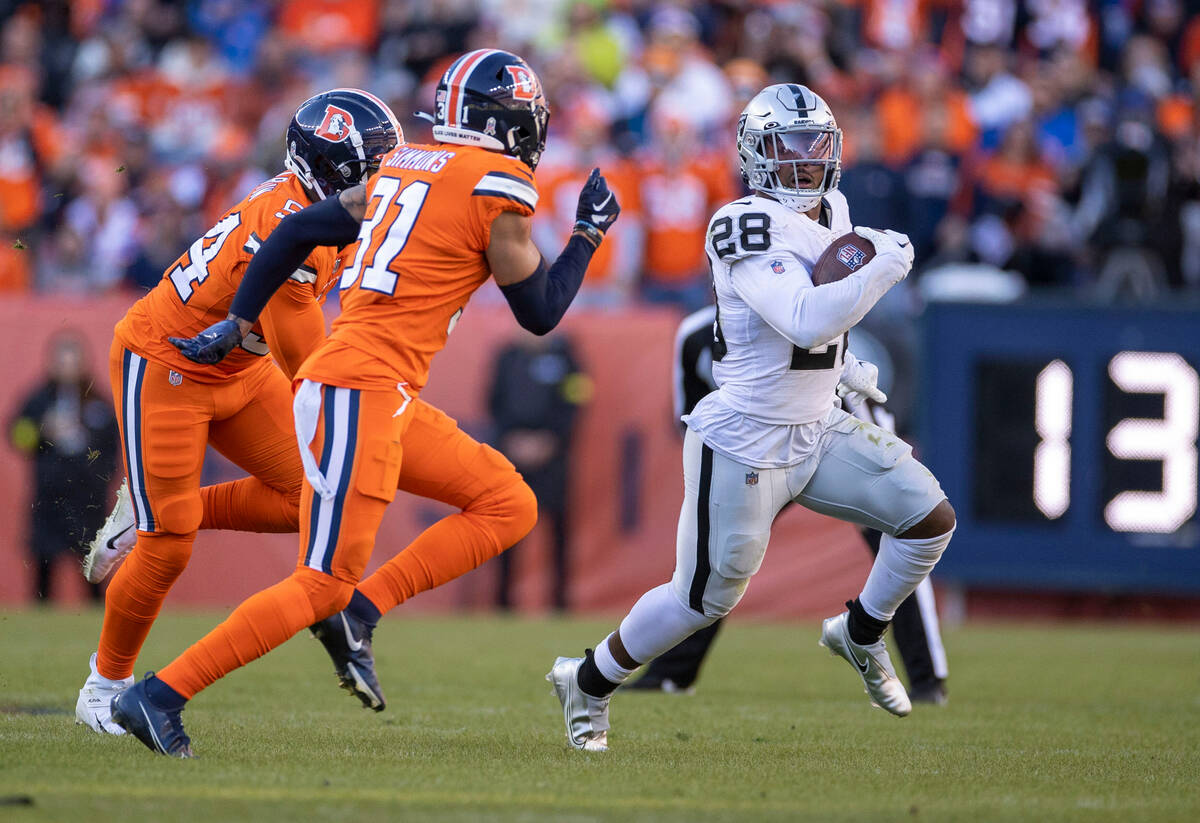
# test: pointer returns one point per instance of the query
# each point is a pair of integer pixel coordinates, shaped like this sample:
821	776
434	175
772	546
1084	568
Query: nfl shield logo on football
850	256
777	266
751	478
174	378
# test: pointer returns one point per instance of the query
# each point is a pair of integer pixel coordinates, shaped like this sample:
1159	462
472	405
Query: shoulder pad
752	225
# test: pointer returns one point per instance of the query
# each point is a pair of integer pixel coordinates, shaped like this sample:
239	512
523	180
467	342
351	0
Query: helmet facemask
796	165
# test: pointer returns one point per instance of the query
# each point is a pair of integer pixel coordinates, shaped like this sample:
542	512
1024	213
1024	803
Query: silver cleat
586	717
114	540
872	664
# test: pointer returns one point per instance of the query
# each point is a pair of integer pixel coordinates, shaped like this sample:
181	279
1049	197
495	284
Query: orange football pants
167	421
368	444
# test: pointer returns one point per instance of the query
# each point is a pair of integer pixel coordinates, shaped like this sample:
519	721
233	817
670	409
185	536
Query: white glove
893	252
859	377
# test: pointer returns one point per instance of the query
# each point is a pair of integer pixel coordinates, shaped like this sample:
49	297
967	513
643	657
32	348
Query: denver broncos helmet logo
336	125
525	85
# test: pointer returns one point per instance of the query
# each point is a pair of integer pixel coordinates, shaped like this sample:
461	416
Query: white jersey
775	381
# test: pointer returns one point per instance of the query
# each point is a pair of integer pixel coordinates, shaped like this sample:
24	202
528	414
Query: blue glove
598	207
211	345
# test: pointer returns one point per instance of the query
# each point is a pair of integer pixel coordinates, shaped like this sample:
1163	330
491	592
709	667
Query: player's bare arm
327	223
354	201
537	293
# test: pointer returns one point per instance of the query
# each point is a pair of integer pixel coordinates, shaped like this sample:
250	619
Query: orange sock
448	549
261	623
135	596
249	505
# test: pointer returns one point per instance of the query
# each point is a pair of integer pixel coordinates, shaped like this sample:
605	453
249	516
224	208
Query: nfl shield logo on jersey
174	378
851	256
751	478
777	266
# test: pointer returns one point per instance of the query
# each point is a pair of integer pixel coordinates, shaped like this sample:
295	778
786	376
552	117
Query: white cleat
114	540
586	717
872	664
93	708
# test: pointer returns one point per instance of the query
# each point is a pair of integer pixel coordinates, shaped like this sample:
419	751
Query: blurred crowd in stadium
1057	139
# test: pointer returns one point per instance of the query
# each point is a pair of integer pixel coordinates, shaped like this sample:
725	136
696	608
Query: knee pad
510	509
326	594
722	594
179	513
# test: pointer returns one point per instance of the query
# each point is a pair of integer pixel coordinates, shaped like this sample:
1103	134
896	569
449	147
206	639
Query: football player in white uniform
772	432
915	628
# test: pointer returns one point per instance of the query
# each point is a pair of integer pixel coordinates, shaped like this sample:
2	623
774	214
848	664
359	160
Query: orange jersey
197	290
419	258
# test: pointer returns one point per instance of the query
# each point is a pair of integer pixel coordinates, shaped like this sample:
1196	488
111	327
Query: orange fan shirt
198	288
678	203
419	258
560	186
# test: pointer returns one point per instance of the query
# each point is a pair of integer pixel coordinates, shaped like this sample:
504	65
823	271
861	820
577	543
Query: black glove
211	345
598	207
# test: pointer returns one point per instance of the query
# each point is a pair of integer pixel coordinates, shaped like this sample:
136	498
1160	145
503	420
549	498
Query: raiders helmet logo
524	84
336	125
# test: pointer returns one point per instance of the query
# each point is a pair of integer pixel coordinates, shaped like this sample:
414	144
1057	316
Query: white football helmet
784	132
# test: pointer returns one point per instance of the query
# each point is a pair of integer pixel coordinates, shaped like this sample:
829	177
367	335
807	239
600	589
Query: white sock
657	622
899	567
613	671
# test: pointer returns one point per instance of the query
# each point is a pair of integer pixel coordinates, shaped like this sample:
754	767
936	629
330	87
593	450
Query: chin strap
296	164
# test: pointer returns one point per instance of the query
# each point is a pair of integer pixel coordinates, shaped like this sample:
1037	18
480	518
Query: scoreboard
1066	437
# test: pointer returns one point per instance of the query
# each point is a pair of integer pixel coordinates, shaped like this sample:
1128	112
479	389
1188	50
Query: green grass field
1044	723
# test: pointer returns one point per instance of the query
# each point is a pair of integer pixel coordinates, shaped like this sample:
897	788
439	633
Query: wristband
593	234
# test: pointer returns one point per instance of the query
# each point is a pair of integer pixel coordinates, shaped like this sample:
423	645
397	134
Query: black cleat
348	641
932	692
651	682
160	730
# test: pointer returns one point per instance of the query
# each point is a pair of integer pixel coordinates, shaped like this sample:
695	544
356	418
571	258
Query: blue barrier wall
1066	438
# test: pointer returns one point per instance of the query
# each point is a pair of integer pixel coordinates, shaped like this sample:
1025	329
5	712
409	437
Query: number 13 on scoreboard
1168	440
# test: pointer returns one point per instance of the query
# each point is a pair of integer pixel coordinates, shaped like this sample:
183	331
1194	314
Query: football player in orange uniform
170	408
436	222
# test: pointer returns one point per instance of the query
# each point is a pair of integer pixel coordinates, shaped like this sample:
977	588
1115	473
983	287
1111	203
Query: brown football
846	255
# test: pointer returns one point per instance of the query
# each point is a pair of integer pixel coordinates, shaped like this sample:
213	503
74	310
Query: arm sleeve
540	300
326	223
805	314
293	325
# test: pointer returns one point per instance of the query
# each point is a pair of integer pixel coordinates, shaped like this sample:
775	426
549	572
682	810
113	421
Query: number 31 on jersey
391	213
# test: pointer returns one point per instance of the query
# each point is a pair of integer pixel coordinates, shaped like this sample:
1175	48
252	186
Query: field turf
1044	723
